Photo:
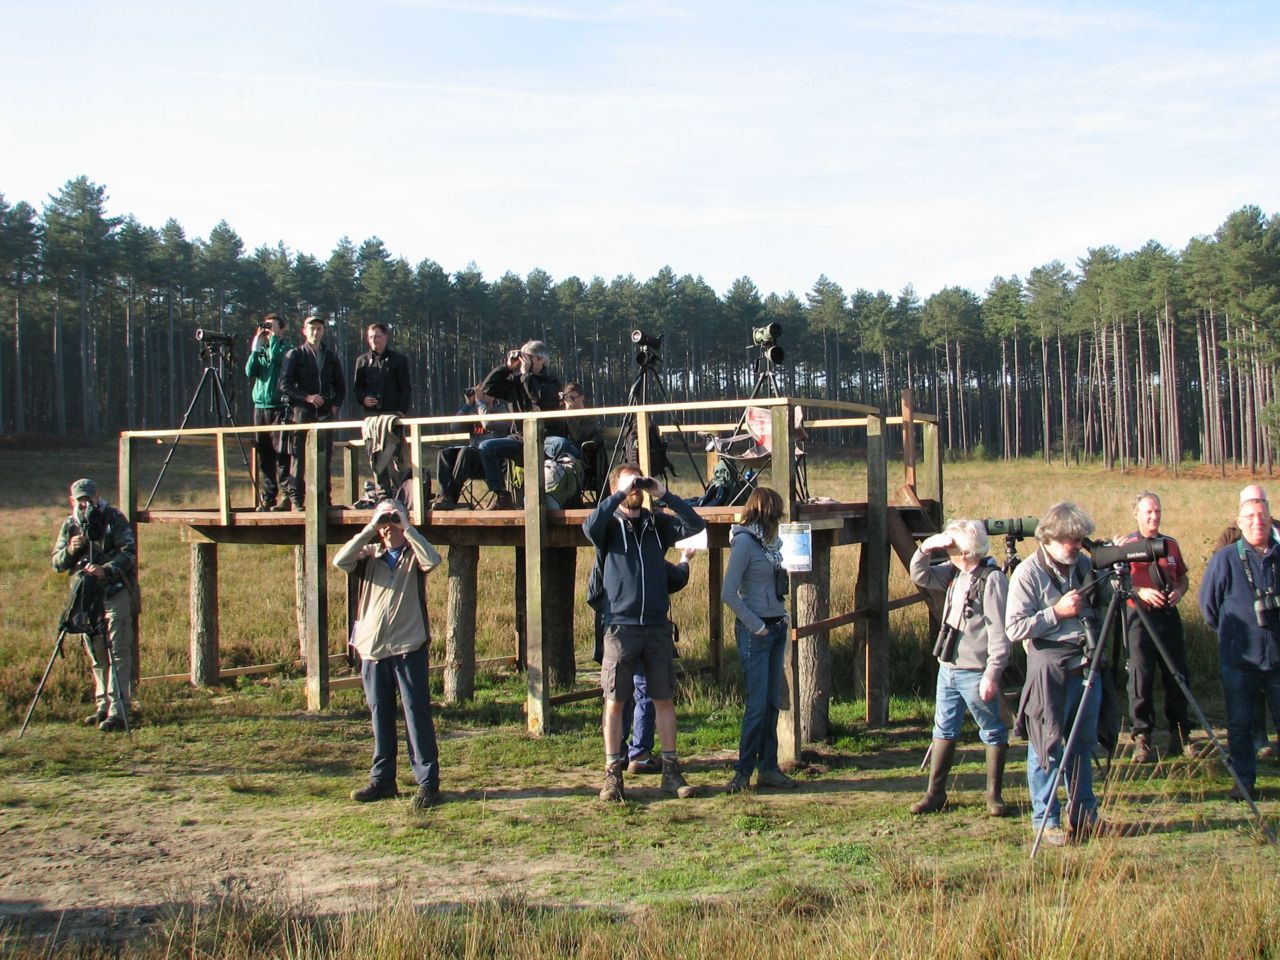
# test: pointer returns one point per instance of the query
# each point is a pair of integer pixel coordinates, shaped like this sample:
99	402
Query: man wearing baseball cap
97	542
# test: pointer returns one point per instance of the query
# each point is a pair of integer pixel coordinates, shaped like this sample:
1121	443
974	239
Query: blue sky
879	143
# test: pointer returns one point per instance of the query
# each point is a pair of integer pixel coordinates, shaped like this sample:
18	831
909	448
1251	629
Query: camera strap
1242	550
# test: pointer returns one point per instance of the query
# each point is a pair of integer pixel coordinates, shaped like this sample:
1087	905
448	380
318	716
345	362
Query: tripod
211	354
638	396
767	385
81	615
1122	590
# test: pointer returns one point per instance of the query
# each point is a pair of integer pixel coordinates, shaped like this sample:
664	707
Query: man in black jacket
637	628
382	389
313	382
525	382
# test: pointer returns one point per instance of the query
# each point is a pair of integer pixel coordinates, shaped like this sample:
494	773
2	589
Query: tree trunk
460	625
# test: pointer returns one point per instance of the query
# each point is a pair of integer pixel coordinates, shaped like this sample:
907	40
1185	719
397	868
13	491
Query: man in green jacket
263	368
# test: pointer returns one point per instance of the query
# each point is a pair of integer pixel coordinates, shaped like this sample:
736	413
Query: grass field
224	829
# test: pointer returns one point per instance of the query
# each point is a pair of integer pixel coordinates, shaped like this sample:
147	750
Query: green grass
263	854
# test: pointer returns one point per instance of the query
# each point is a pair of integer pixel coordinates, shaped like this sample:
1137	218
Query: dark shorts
632	649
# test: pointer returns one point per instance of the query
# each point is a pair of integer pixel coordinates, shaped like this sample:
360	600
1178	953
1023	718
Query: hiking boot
775	778
1180	745
612	789
1142	752
645	763
444	502
739	784
995	779
368	497
1250	794
503	500
95	718
941	755
112	724
265	506
428	796
375	790
673	782
284	506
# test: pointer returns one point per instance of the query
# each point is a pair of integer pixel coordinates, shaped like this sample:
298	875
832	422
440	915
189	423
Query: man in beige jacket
391	561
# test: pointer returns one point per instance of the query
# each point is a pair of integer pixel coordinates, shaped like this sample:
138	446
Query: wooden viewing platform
548	541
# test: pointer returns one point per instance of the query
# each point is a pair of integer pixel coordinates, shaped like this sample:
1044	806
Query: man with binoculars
391	560
1240	600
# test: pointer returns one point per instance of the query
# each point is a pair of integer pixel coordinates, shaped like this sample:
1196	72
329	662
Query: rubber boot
995	779
941	757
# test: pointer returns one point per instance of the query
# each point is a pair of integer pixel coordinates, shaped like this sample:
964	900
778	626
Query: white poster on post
797	546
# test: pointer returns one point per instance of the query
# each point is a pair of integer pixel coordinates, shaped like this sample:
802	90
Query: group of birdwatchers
1050	605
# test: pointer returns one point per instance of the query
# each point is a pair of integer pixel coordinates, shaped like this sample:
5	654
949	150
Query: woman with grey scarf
754	587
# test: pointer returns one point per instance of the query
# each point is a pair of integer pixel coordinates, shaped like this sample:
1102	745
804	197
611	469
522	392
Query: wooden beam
418	500
715	612
813	605
904	545
460	625
908	440
790	715
535	520
127	495
875	554
204	614
316	581
224	481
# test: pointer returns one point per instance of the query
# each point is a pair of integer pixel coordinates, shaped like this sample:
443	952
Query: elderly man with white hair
972	651
1240	600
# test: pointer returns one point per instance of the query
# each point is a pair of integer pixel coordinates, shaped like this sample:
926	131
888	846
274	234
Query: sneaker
738	784
426	797
673	782
375	790
775	778
612	789
112	724
1054	836
645	763
94	719
1142	752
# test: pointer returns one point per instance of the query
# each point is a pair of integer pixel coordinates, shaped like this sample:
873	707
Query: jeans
1241	685
638	719
1078	774
761	659
408	672
494	452
958	690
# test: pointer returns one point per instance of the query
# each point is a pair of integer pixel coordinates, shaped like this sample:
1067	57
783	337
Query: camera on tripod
93	522
649	345
212	338
766	338
1016	527
1105	554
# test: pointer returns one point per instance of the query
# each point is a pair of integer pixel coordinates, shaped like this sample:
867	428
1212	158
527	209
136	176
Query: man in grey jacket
391	560
1050	600
972	651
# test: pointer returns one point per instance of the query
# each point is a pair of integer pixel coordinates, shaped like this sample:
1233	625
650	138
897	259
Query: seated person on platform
524	381
456	465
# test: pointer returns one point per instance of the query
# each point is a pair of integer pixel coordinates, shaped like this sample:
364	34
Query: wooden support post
643	453
418	499
127	495
350	474
316	583
715	612
224	481
792	710
205	658
522	631
460	624
908	440
812	604
300	598
535	533
929	482
875	554
559	584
